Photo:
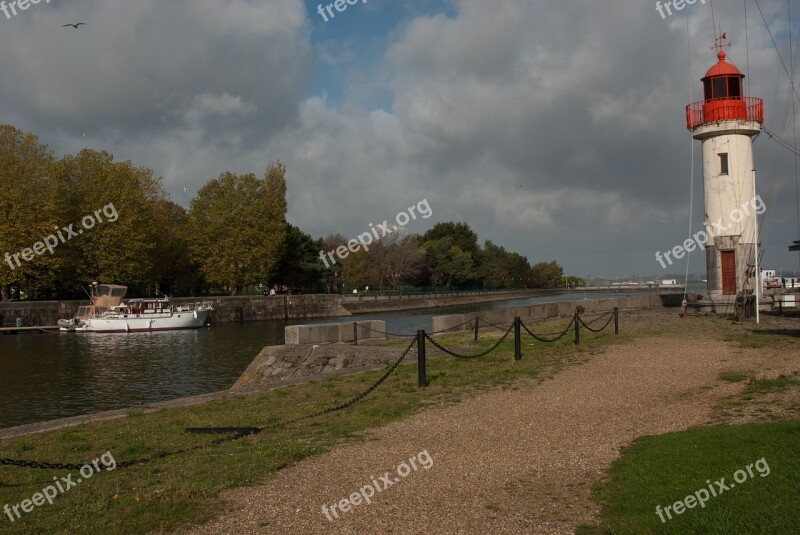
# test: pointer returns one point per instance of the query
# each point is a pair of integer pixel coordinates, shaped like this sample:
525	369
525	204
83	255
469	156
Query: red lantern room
723	98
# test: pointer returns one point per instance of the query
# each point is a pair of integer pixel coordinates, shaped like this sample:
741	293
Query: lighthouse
726	121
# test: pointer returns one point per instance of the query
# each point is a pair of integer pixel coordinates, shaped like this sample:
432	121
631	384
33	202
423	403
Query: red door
728	261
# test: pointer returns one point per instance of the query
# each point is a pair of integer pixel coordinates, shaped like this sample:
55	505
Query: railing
724	109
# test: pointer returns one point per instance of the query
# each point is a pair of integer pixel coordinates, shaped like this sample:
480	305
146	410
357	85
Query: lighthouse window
723	163
707	89
734	87
720	89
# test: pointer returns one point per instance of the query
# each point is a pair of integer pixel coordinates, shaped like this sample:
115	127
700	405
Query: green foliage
546	274
237	227
448	263
461	235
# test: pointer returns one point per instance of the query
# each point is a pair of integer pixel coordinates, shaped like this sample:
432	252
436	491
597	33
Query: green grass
769	386
665	469
184	488
732	377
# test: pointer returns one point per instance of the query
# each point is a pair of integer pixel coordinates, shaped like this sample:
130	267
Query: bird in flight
74	25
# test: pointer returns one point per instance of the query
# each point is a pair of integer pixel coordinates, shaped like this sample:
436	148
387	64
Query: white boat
109	314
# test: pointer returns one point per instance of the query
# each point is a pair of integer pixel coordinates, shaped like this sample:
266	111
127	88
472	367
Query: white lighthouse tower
726	121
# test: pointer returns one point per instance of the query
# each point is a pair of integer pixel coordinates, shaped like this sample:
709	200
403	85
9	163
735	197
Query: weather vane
718	42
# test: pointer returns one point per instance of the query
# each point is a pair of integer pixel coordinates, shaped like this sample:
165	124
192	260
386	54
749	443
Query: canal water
47	376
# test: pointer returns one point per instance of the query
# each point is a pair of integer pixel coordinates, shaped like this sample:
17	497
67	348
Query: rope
467	357
559	337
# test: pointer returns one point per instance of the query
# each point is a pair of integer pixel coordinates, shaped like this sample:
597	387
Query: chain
498	327
386	333
122	464
597	319
458	356
559	337
453	328
363	394
601	328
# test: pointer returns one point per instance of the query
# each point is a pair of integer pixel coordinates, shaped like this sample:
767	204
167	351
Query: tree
300	266
447	262
237	227
32	205
461	234
546	274
397	259
115	207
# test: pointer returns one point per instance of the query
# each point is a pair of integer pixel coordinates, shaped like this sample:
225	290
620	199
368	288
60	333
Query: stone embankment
280	307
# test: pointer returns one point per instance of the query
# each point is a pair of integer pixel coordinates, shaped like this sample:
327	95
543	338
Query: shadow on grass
780	332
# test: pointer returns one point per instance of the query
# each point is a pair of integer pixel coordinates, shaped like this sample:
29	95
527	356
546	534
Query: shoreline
71	421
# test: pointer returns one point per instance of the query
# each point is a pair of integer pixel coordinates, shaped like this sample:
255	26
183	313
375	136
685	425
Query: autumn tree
237	227
32	205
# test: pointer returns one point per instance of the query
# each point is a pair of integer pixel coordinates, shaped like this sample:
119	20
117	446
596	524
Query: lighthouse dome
723	68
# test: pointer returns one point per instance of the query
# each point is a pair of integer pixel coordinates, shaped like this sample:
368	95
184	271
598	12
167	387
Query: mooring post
477	320
577	329
517	339
423	381
355	333
616	320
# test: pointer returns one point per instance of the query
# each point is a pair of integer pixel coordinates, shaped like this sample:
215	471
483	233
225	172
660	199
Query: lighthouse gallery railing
724	109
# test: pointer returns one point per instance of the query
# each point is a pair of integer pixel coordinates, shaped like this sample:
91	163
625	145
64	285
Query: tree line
233	238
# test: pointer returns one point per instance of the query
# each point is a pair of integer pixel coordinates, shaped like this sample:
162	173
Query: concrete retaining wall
292	364
554	310
322	333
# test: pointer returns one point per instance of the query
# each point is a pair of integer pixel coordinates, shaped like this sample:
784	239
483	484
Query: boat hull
143	323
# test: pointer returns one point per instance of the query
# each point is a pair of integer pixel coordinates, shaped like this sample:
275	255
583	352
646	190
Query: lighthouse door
728	261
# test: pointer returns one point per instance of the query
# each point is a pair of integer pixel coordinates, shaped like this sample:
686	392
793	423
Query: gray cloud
556	128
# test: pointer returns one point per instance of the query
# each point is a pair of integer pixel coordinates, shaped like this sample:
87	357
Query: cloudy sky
555	128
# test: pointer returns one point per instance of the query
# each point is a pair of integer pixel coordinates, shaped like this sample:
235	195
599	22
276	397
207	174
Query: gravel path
519	460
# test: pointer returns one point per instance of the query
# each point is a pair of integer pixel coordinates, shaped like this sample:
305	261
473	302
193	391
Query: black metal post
616	320
477	320
577	329
423	380
517	339
355	333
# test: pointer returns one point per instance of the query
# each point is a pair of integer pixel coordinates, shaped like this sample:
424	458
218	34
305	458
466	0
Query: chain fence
237	433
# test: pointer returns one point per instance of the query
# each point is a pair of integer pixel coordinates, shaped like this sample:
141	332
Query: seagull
185	189
74	25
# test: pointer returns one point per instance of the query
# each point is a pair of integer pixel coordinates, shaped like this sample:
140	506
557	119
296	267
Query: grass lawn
184	488
659	471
